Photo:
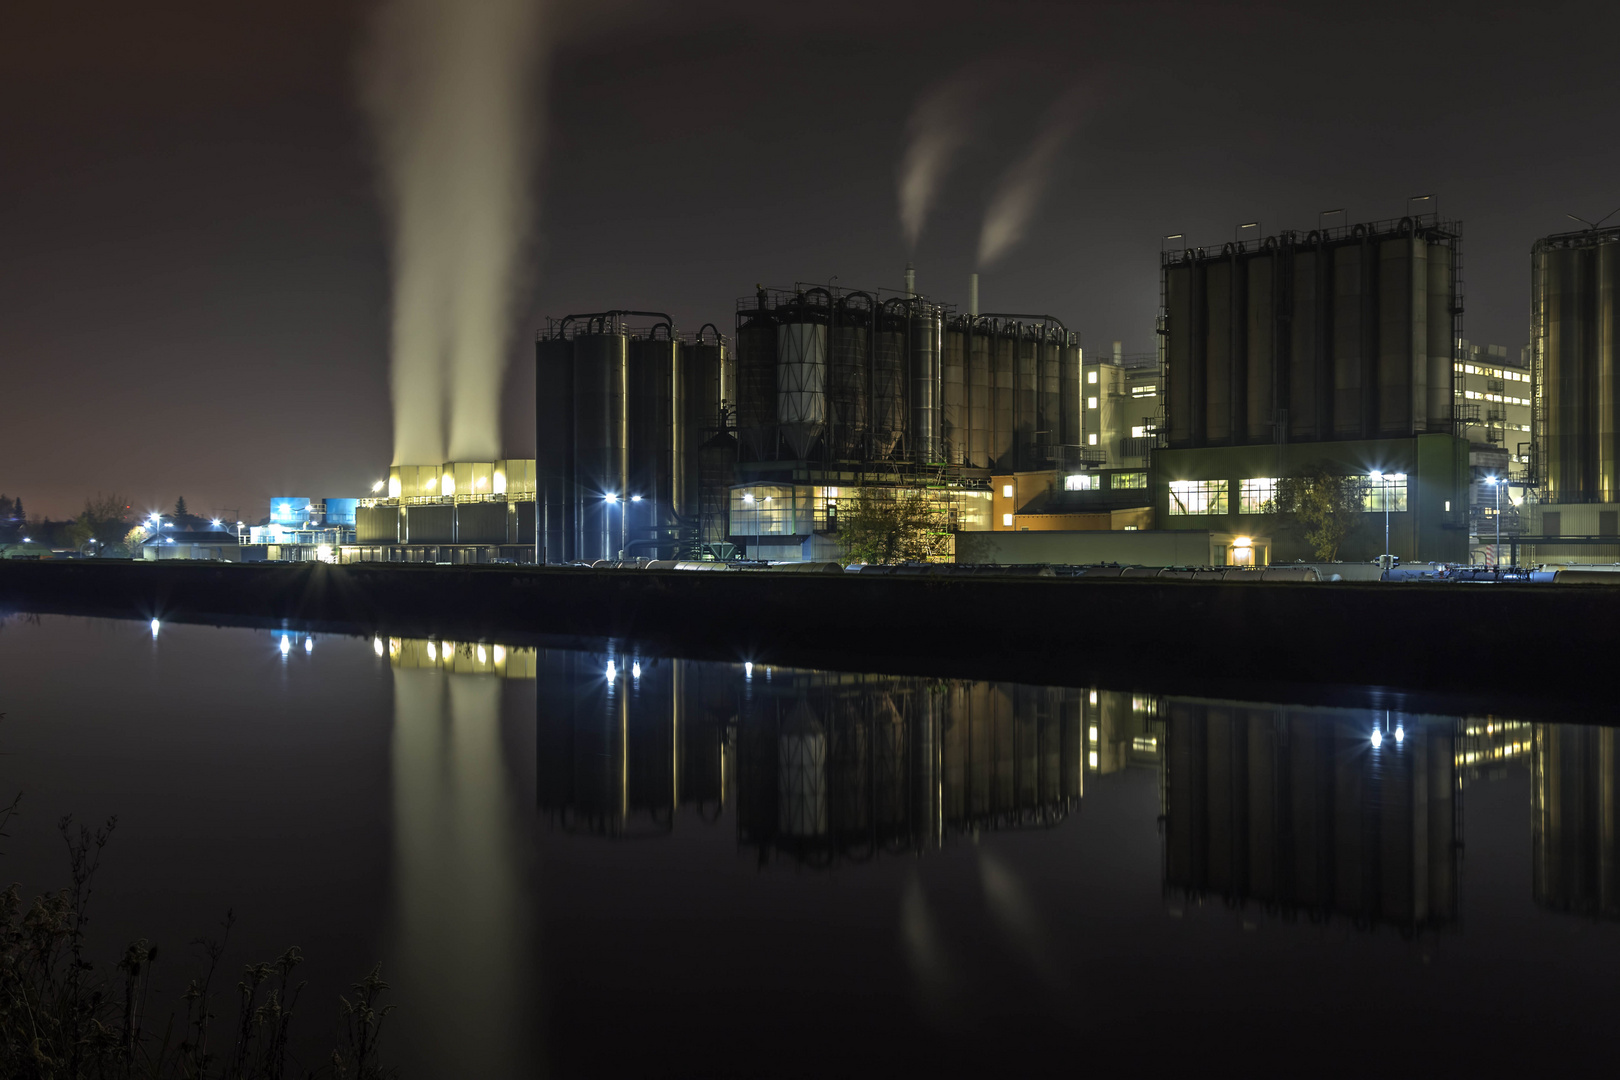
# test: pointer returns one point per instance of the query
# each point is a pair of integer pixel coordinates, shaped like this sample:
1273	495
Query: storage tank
801	370
1050	421
654	486
1070	408
756	379
1003	435
554	448
849	396
600	451
889	379
1026	395
953	413
1573	307
977	393
923	363
708	378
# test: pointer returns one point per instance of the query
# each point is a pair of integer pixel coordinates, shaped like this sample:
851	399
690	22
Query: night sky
194	289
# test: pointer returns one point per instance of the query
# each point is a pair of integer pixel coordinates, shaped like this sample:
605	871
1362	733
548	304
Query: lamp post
748	497
611	500
1383	480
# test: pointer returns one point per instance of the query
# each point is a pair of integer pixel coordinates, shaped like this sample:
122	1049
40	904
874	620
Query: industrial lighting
748	498
611	497
216	523
481	654
433	651
748	667
1377	738
1400	734
155	625
27	540
377	645
1243	541
612	671
500	654
378	486
635	498
309	645
286	644
635	670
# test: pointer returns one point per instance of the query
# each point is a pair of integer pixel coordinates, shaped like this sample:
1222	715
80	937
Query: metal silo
801	369
978	394
708	385
601	463
1573	306
1026	394
849	394
888	379
554	448
1003	434
653	488
925	330
1050	403
953	415
1442	335
1070	405
756	378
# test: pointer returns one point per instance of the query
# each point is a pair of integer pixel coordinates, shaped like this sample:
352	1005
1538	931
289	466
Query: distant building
185	544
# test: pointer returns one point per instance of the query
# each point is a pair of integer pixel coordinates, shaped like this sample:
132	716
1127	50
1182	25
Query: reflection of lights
433	651
378	486
1094	697
1091	759
155	625
309	645
612	671
1400	734
635	670
482	656
286	644
444	650
1377	738
393	646
748	670
500	654
377	645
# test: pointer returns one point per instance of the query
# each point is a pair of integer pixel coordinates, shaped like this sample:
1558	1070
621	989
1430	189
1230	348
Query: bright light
1377	738
1399	477
433	651
28	540
1400	734
216	523
748	498
635	670
611	497
635	498
748	668
447	485
378	486
1375	476
155	625
1491	480
1243	541
286	644
500	654
500	483
323	552
394	487
612	671
377	645
309	645
482	655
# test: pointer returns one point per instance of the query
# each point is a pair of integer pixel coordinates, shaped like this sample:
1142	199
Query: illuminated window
1139	431
1388	489
1257	495
1091	403
1081	482
1198	497
1006	520
1144	390
1123	480
1006	491
1091	377
1091	440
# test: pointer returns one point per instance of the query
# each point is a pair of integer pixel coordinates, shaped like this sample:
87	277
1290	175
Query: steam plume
1024	184
941	124
452	88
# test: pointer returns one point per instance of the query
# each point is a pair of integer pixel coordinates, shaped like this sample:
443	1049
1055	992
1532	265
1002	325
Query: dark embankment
1533	642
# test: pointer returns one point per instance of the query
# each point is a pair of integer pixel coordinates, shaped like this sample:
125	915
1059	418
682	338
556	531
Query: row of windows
1094	482
1475	395
1257	496
1495	373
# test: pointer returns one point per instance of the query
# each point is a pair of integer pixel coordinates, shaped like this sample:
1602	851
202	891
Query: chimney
911	280
1119	351
973	295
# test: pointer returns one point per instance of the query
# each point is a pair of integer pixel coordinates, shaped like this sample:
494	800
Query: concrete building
1123	414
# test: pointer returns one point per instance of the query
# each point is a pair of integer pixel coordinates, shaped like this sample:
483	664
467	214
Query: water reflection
1576	820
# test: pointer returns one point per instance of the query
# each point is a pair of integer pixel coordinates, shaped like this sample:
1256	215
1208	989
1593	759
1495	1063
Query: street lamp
748	497
1383	480
1496	551
612	500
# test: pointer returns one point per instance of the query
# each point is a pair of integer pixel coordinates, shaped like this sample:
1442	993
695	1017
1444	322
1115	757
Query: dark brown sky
193	263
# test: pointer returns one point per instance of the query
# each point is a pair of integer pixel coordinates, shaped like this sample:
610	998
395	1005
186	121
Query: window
1006	491
1197	497
1081	482
1144	389
1124	480
1139	432
1388	489
1091	440
1091	403
1091	377
1255	496
1006	521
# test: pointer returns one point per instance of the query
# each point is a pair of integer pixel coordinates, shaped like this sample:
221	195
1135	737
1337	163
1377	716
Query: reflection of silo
978	396
922	776
924	382
888	379
849	763
801	754
849	397
1069	412
888	727
600	361
1576	833
801	371
554	447
654	431
756	380
1002	438
953	416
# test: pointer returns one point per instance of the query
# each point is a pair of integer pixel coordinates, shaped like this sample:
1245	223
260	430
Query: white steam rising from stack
940	126
1024	184
453	88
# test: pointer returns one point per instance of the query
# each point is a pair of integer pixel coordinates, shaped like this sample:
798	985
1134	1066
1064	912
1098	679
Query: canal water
607	864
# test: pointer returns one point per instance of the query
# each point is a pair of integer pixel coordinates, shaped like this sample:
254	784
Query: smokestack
911	280
1119	351
973	295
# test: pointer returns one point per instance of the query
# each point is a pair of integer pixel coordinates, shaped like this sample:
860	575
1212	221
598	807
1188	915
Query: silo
849	394
923	364
1183	308
1002	433
1403	333
1348	360
601	461
1070	408
953	413
978	394
801	370
708	383
756	379
554	448
1442	337
1050	403
1218	352
888	379
1260	349
1026	396
652	410
1574	301
1304	331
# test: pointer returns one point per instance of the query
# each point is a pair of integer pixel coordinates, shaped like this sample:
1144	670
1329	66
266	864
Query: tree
180	511
104	521
17	509
883	527
1327	505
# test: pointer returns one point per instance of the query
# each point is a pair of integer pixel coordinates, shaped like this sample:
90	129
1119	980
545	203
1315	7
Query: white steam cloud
1024	184
453	89
940	126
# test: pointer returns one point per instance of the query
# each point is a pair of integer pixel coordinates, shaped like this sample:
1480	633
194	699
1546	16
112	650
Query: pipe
911	280
718	339
1017	315
973	295
602	317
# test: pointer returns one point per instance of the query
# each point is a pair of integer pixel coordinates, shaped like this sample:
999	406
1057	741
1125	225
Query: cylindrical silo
601	462
652	487
1260	353
1442	338
888	379
1347	308
1026	396
708	380
1050	403
756	379
924	382
978	394
554	448
1003	432
1218	352
1070	408
801	371
953	414
849	397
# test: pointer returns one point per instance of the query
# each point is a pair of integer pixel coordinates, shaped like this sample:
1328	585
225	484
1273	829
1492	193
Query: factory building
1575	444
1493	405
1333	348
454	511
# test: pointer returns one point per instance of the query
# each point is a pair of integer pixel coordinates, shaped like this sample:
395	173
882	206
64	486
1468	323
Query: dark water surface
694	869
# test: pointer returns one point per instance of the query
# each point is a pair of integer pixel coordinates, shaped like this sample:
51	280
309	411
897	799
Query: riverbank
1540	642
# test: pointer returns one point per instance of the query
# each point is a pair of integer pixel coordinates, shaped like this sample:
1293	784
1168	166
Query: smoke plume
452	88
941	124
1024	184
